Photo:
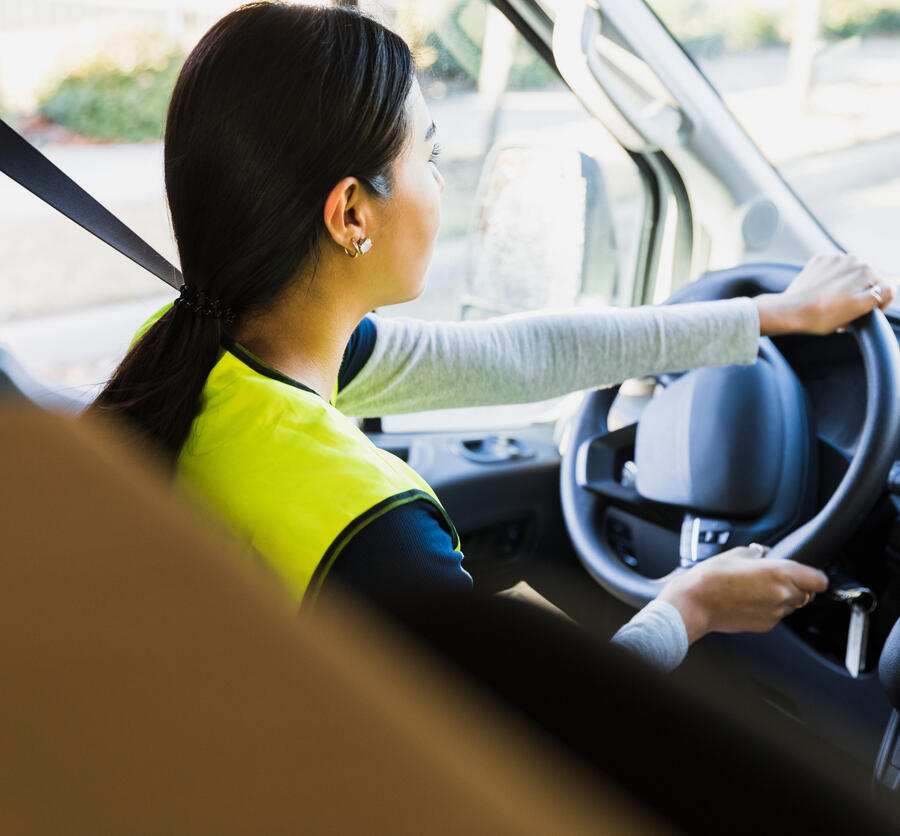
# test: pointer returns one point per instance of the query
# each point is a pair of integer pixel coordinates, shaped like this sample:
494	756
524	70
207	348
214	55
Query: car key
861	601
857	640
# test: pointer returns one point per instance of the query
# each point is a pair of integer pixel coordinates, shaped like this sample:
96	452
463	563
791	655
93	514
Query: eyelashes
435	152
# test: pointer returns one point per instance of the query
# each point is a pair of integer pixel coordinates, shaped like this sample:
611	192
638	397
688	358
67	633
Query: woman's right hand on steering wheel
738	591
829	292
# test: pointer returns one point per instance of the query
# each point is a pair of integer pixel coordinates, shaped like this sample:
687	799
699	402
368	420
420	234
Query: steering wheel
727	453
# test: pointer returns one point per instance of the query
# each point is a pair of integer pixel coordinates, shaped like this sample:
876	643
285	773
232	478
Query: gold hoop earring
359	247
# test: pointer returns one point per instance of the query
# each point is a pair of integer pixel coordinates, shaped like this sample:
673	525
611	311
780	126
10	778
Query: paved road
856	195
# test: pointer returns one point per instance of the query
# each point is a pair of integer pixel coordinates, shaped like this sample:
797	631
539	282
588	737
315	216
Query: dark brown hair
273	107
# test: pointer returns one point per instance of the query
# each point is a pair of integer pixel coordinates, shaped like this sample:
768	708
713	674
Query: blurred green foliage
846	18
709	27
706	27
108	103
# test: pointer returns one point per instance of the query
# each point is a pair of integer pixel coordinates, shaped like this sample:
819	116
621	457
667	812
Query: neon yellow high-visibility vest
288	472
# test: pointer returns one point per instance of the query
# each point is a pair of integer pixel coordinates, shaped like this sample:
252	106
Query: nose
439	177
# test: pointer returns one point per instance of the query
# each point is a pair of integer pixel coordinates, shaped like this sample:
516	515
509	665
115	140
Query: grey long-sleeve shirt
417	365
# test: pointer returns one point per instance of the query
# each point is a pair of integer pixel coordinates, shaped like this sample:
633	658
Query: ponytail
157	387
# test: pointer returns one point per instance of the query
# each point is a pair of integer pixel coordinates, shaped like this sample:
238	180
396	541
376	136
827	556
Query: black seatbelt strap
22	162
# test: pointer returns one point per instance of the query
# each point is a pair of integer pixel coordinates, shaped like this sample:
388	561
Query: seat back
17	382
155	682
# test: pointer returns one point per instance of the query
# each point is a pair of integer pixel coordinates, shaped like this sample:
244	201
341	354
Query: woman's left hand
831	291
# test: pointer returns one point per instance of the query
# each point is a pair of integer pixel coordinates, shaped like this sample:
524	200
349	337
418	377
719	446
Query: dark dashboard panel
832	374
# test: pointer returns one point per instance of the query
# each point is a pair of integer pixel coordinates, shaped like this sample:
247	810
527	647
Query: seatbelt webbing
22	162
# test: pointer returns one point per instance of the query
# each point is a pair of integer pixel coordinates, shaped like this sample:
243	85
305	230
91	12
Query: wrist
687	597
776	315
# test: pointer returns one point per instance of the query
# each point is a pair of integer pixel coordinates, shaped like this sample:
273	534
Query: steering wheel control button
702	538
893	480
628	477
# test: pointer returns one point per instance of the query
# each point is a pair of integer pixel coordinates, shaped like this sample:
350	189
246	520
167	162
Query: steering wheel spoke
604	467
604	464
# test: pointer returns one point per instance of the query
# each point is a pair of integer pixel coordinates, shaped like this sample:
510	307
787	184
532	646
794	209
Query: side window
88	84
542	208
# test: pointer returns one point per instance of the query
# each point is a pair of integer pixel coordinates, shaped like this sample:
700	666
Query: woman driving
301	176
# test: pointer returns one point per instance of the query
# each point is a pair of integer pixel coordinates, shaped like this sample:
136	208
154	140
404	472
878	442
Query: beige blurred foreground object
152	683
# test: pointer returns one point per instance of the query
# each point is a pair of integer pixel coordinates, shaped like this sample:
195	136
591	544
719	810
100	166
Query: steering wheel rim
854	496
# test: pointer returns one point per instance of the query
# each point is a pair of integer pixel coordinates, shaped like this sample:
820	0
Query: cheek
422	212
428	201
409	237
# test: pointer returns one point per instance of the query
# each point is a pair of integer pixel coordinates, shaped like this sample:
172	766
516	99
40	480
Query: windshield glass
816	84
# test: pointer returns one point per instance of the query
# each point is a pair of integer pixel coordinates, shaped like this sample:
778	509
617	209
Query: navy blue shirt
405	551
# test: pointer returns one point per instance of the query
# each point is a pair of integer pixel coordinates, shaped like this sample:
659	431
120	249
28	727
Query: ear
345	212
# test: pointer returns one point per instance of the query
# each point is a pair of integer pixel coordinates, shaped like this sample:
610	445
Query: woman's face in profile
413	214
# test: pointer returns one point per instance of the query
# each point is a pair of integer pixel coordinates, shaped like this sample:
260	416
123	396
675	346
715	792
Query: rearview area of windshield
816	84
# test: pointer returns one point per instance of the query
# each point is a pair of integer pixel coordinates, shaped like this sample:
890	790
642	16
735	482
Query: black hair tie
199	304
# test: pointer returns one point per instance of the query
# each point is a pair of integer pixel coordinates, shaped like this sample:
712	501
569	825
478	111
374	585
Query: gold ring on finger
875	291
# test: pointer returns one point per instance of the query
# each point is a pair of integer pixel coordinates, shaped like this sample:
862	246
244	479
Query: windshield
816	84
